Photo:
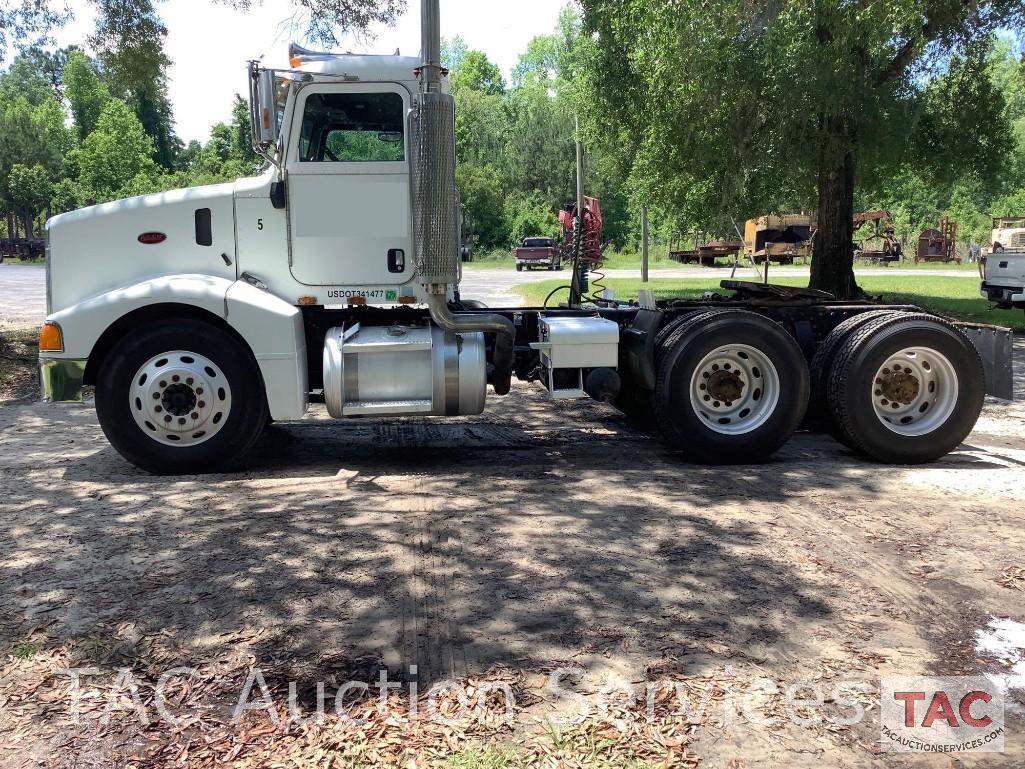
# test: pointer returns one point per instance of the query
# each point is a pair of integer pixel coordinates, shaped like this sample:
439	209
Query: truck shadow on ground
534	544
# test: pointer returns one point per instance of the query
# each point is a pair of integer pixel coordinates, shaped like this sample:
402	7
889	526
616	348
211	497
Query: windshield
537	243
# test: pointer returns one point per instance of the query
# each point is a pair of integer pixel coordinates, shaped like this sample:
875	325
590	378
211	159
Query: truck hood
112	245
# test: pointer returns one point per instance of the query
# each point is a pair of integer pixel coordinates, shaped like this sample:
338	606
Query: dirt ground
502	548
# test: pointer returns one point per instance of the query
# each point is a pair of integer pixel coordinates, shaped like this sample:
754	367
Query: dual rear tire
733	386
900	388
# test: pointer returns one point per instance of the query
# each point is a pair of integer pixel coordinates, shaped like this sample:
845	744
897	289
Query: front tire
181	397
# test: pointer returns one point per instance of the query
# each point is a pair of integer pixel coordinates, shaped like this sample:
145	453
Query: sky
210	44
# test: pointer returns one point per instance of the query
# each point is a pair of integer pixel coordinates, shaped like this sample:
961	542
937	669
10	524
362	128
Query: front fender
272	328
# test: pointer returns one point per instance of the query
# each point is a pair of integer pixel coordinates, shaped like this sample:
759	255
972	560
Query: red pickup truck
538	252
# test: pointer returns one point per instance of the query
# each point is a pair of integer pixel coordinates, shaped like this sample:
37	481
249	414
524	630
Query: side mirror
262	106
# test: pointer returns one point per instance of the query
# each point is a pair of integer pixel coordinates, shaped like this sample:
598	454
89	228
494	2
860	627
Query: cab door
348	186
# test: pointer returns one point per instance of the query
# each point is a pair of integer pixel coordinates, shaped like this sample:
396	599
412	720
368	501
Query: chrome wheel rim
735	389
915	391
180	398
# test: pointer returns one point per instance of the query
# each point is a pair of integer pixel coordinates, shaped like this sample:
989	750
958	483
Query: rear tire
732	387
181	397
636	402
819	414
906	390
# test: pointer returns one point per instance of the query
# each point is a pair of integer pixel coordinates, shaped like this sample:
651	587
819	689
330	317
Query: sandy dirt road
529	538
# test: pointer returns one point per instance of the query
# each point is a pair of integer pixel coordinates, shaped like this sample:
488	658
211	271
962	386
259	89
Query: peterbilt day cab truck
201	315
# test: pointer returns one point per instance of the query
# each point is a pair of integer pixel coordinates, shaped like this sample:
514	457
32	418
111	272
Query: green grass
18	260
954	297
503	260
497	260
25	650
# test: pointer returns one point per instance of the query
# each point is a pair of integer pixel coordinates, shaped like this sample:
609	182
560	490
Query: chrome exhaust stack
435	207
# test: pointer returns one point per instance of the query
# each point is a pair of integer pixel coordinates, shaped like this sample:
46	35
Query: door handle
396	261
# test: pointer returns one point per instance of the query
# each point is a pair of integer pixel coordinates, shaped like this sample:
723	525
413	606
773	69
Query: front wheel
181	397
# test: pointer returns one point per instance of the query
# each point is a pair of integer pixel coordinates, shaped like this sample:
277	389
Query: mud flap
996	347
637	348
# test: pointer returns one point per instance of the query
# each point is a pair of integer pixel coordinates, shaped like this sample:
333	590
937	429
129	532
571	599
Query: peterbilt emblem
152	238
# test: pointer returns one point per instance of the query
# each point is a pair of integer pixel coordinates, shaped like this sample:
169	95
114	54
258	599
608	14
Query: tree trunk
28	224
832	265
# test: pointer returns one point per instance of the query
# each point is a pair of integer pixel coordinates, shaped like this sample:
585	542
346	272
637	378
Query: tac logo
942	715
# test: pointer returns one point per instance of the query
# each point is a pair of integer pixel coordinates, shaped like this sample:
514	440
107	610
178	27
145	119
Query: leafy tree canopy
729	109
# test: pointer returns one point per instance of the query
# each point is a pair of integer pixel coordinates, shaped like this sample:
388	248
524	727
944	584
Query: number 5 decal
259	224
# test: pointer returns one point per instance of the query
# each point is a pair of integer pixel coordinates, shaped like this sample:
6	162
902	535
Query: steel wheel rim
735	389
180	398
915	391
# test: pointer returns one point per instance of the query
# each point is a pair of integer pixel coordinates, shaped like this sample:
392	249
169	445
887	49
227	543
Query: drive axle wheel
735	389
906	389
732	387
915	391
819	416
181	396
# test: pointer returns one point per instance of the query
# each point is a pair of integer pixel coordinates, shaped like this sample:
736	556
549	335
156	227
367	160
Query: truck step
387	408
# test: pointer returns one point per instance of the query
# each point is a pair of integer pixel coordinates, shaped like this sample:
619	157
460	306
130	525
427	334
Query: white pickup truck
1004	278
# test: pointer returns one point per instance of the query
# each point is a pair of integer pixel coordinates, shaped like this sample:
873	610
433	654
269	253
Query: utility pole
644	244
579	282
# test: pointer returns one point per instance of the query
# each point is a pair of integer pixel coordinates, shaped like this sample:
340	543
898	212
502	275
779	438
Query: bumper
1006	296
60	380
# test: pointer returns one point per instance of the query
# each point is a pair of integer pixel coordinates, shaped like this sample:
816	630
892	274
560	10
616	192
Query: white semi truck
201	315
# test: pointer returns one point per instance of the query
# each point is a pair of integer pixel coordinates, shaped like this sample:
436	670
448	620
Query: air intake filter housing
435	211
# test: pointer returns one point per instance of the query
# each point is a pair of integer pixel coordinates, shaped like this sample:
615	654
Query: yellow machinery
779	238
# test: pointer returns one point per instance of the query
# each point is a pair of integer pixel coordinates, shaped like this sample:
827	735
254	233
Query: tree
129	41
113	157
477	73
27	23
483	196
452	52
530	215
26	78
30	190
86	93
737	108
323	19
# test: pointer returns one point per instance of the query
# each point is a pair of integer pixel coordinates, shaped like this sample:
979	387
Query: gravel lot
531	537
534	537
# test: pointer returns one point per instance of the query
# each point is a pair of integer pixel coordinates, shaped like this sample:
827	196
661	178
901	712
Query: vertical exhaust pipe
435	214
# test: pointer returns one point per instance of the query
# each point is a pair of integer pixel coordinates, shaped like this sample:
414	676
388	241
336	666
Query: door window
353	128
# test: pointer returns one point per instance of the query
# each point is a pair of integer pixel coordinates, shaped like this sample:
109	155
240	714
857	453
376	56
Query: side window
353	128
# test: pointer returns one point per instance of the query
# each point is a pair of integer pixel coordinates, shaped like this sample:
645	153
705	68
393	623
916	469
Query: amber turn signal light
51	339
